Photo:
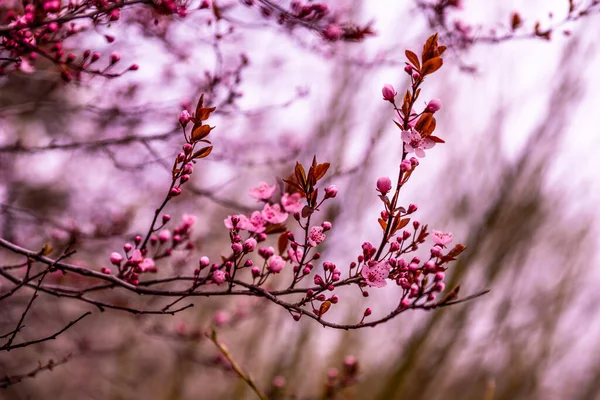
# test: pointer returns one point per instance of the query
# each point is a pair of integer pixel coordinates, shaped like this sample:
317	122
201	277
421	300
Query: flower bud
114	58
384	185
388	93
331	191
184	118
433	106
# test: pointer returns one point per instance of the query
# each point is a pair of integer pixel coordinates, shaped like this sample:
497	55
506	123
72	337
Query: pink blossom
295	256
441	238
187	222
218	277
256	223
146	264
384	184
315	235
263	191
221	318
414	142
388	92
136	256
292	202
376	273
273	214
275	264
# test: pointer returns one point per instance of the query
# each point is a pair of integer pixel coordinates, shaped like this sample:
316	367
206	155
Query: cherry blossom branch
7	380
53	336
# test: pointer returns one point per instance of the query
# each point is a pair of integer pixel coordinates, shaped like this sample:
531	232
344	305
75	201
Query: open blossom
315	235
295	256
292	202
273	214
147	264
441	238
187	222
263	191
218	277
275	264
414	142
256	223
376	273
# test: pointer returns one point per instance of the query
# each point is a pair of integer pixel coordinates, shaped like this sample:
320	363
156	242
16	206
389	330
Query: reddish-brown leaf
282	242
300	174
383	224
436	139
413	59
277	228
321	170
424	121
429	49
203	113
200	132
432	65
203	152
459	248
324	307
515	21
307	211
200	103
294	185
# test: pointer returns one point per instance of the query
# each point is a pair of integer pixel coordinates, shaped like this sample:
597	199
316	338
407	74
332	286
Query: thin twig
245	377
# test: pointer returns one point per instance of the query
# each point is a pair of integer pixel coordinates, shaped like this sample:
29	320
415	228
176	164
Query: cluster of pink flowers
135	264
270	214
410	275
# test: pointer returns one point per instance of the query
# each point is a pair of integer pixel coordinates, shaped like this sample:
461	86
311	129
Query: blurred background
515	182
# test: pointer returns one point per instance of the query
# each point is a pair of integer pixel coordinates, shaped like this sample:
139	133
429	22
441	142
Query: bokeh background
515	182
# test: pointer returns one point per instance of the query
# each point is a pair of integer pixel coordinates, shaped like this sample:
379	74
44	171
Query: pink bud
114	58
405	166
105	271
204	4
333	32
411	208
331	191
250	245
204	262
368	312
95	57
433	106
116	258
174	192
384	184
134	67
388	93
326	226
114	14
184	118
